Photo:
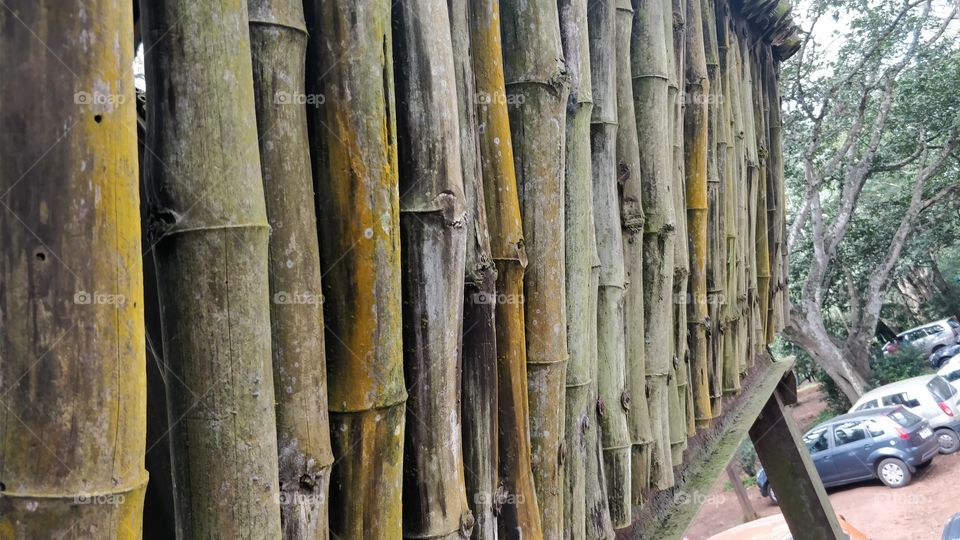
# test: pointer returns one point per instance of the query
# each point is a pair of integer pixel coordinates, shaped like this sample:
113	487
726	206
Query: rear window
953	375
940	388
934	330
903	417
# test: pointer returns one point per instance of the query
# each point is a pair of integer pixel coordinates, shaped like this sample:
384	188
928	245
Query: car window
941	389
874	428
900	399
952	375
816	440
903	417
954	323
848	432
872	404
934	330
915	335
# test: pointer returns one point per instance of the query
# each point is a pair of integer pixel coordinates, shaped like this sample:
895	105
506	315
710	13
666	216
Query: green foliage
746	457
824	415
901	364
837	402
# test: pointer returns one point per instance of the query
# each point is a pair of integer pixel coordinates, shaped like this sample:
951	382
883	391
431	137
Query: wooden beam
803	501
749	514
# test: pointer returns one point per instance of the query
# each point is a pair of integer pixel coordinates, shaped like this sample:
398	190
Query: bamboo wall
519	253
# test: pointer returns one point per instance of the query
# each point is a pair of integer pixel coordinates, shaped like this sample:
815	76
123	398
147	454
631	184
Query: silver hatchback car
928	338
929	396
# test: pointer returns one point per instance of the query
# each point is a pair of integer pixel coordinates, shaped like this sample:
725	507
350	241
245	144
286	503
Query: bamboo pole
433	252
581	266
716	240
209	217
479	376
355	170
611	316
519	512
536	84
776	199
632	223
650	72
278	43
763	248
72	346
740	197
680	391
751	195
696	143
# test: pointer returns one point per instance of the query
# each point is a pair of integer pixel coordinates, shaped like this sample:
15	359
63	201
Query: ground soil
916	512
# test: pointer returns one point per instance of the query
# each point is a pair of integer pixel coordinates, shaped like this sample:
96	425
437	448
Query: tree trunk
537	85
278	42
71	288
650	72
433	250
353	146
479	364
519	513
209	220
581	267
696	144
611	316
632	221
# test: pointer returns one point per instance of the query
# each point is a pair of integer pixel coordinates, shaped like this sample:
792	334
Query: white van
929	396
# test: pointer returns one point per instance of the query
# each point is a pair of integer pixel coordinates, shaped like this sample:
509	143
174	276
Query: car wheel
949	441
893	472
773	497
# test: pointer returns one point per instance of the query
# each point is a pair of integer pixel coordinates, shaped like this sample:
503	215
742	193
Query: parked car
775	528
950	371
952	530
889	443
929	396
928	338
943	355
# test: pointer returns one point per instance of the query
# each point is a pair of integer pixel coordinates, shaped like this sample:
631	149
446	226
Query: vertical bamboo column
741	197
479	364
278	43
519	513
679	389
209	216
72	374
433	251
775	196
581	266
632	224
750	203
716	241
537	87
650	72
611	316
353	143
696	143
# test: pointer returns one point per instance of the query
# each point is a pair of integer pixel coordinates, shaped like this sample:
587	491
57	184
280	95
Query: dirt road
915	512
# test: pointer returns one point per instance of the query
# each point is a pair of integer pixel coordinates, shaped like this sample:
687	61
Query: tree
72	371
278	42
871	112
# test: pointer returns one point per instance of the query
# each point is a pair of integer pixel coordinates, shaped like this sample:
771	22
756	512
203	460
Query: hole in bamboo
98	118
41	256
3	487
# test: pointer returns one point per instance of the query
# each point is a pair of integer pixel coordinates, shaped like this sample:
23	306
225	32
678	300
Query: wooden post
749	514
802	498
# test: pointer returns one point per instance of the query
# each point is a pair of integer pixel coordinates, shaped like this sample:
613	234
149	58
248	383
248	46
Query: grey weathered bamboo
353	146
519	511
479	349
581	267
433	255
537	87
278	43
209	220
650	72
72	374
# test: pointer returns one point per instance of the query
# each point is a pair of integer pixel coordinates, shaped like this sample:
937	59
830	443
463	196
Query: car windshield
952	375
941	389
903	417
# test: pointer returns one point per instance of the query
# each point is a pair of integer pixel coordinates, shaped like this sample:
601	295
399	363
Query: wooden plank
749	514
803	500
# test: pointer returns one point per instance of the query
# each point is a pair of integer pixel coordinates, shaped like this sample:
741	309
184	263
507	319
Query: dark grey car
888	443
